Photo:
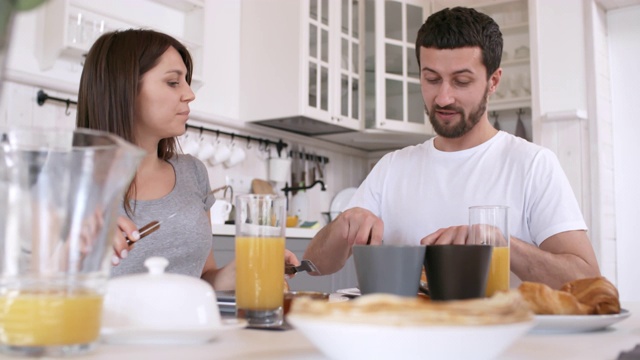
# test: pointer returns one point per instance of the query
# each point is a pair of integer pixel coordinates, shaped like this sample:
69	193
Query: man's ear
494	80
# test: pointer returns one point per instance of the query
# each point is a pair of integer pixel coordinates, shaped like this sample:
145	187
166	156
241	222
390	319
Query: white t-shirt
419	189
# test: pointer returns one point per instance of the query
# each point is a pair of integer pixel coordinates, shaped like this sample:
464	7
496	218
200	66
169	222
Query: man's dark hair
462	27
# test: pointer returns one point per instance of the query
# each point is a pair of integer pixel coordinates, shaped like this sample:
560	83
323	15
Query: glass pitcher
59	195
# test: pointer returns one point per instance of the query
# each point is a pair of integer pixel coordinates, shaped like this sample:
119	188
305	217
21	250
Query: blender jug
59	195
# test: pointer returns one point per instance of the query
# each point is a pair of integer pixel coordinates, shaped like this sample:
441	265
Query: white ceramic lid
159	301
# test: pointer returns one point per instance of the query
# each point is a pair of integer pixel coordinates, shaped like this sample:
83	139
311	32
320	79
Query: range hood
377	140
304	126
367	140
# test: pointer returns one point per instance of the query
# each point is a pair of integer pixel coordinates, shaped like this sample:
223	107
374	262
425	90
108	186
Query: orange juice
498	279
259	272
49	318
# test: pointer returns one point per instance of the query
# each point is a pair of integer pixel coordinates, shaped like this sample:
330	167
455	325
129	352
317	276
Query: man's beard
464	125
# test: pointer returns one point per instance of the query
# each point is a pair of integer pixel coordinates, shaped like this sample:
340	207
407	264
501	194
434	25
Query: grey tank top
185	239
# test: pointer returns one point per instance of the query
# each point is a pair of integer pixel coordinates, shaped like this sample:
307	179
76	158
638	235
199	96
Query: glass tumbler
260	245
59	193
489	225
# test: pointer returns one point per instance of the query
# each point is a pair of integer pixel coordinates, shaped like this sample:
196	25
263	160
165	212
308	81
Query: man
421	194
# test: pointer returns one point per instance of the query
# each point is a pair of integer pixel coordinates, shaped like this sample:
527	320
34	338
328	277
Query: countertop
291	344
298	233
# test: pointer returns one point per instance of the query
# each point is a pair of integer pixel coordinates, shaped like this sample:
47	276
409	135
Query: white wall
624	35
559	93
558	73
602	229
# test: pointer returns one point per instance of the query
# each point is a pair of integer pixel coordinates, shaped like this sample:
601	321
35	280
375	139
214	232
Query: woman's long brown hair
110	84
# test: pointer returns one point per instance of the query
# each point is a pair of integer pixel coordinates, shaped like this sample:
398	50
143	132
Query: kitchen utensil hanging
520	129
496	124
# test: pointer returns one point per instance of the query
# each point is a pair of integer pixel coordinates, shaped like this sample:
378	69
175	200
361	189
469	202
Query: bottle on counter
300	205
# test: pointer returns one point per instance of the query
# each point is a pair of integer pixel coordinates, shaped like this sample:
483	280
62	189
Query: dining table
244	343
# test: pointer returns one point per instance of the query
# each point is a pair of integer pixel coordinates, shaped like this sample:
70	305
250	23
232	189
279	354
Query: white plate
349	341
341	200
352	292
170	337
576	323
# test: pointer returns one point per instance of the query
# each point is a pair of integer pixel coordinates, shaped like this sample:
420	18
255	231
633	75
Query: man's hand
331	247
561	258
450	235
290	259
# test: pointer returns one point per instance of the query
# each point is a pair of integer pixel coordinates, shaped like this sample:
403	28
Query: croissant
544	300
596	292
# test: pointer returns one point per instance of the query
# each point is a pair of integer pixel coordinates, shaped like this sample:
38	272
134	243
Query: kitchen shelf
510	103
182	5
513	18
514	28
515	62
70	27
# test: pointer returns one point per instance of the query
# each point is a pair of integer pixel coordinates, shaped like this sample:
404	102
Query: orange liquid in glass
259	272
498	279
30	318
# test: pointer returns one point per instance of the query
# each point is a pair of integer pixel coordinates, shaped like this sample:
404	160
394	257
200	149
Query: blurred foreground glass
59	194
490	225
260	234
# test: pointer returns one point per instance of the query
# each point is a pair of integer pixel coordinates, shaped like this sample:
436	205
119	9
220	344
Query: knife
148	229
155	224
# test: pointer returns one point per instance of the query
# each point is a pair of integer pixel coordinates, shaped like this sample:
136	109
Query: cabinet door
393	96
332	68
348	93
318	81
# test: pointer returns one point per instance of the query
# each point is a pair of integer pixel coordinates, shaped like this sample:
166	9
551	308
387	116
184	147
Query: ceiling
616	4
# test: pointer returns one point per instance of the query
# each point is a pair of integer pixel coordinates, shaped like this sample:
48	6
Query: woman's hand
126	229
225	277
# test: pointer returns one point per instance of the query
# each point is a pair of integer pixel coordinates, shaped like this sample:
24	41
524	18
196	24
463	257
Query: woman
136	84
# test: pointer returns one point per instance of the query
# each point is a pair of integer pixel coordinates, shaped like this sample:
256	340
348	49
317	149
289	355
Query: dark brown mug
456	272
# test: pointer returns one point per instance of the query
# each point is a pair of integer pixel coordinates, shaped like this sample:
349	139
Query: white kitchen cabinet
393	99
70	27
300	65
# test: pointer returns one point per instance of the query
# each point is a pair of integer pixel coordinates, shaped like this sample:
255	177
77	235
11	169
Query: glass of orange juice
490	225
45	319
260	237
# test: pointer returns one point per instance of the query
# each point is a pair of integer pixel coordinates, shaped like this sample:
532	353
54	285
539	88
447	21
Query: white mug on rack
222	154
237	156
206	151
190	145
220	211
279	169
